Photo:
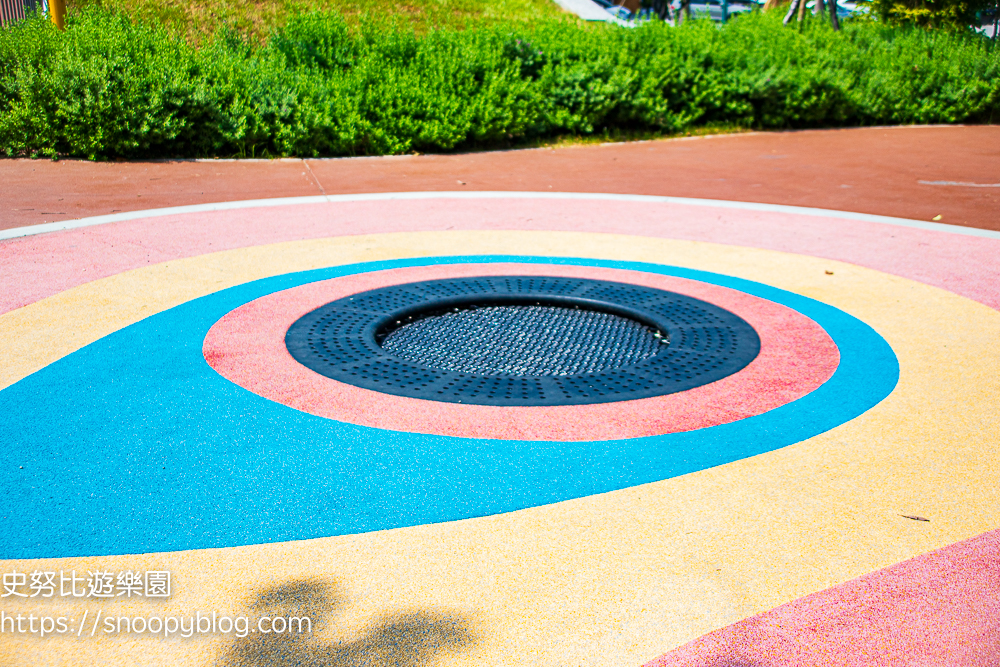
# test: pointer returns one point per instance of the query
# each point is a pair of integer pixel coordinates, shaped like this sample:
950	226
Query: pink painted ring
247	347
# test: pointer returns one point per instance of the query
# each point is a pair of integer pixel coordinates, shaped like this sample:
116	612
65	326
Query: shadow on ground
411	639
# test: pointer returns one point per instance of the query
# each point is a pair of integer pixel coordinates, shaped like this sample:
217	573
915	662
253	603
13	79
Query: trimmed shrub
108	87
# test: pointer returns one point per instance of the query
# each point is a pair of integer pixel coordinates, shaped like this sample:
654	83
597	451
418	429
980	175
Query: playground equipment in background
16	10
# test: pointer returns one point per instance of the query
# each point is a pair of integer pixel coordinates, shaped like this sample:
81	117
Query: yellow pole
57	12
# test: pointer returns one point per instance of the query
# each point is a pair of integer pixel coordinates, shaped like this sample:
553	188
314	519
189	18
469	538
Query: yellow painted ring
611	579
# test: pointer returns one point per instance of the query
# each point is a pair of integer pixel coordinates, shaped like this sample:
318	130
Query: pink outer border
247	347
941	609
39	266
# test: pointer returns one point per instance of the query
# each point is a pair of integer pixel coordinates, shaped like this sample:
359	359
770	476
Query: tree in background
950	14
931	13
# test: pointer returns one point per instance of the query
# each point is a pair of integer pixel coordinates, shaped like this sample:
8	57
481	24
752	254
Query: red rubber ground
907	172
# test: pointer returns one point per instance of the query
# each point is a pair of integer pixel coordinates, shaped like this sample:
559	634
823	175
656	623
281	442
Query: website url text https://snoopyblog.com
90	625
128	584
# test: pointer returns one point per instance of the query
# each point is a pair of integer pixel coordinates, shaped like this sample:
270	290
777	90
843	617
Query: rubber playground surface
833	502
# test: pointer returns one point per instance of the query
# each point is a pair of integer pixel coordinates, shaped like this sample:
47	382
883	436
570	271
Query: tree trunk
834	20
792	10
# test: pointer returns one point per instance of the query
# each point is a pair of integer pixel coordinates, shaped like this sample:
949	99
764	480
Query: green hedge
109	88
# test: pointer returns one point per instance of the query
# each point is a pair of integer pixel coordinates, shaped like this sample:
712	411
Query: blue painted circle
134	444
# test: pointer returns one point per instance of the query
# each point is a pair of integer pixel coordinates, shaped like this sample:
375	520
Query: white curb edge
18	232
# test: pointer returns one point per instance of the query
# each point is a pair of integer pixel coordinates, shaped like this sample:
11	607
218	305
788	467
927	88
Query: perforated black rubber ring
523	340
